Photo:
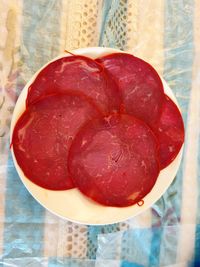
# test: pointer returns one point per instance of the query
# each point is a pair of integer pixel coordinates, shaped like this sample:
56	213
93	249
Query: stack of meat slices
104	126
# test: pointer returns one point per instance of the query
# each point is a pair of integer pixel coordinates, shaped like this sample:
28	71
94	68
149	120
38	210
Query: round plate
73	205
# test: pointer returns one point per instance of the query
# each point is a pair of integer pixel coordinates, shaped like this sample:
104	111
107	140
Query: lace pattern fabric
164	33
82	22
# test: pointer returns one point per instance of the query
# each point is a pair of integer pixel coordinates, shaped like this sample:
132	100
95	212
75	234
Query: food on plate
170	132
43	135
103	126
139	84
78	73
114	160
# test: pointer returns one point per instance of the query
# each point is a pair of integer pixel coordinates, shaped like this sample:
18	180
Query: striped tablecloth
165	33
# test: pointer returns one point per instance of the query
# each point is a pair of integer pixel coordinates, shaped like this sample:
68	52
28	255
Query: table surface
164	33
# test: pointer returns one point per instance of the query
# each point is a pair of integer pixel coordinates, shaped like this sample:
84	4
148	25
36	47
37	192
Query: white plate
71	204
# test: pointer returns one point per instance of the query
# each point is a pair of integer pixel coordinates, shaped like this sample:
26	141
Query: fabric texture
166	33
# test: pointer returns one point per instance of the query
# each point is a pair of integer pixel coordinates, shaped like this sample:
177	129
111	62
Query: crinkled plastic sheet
130	248
135	245
133	26
44	262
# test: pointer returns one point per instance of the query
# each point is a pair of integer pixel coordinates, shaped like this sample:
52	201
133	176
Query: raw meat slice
77	73
170	132
114	160
43	135
140	85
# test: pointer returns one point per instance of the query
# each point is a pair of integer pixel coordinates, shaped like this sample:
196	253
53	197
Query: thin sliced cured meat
114	160
140	85
170	132
77	73
43	135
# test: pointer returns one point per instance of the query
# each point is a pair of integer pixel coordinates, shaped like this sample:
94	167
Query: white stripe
181	264
143	220
189	194
145	40
50	235
10	30
132	32
63	24
107	263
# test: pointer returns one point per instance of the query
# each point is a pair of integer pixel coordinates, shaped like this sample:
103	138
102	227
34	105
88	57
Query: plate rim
16	114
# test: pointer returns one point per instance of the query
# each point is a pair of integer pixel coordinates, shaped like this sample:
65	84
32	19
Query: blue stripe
23	228
178	44
113	29
197	231
168	248
197	243
136	245
154	255
130	264
105	12
41	32
24	217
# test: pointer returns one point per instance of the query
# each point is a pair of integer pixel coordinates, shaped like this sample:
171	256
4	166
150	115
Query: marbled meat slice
81	74
43	135
114	160
140	85
170	132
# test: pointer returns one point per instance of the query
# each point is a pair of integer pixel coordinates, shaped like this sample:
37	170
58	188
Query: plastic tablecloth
166	34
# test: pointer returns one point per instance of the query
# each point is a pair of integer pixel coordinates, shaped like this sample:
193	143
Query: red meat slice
114	160
170	132
81	74
43	135
140	86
